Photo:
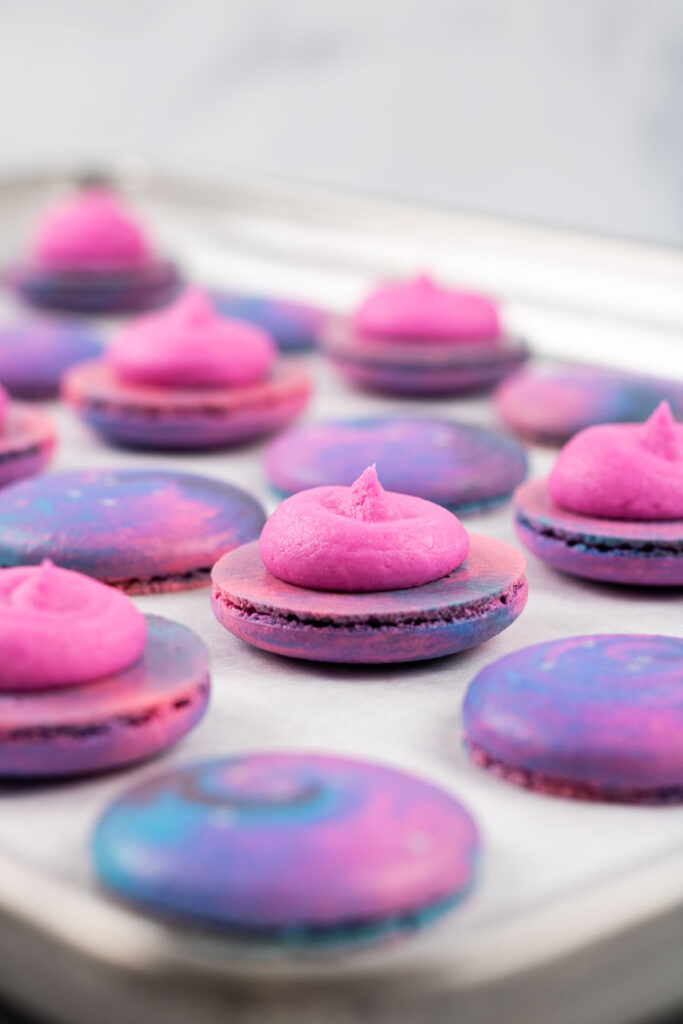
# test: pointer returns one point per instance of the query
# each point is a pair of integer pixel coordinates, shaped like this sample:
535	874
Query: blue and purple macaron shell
34	353
550	406
463	467
142	530
294	325
27	442
296	848
596	717
114	720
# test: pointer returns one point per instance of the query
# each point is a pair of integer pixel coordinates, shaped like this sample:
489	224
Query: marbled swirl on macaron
296	848
145	531
597	717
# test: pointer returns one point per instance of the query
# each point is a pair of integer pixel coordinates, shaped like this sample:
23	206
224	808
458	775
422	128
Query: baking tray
578	915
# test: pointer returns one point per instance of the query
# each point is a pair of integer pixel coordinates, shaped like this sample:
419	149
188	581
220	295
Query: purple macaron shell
35	353
588	716
27	442
457	465
142	416
479	599
421	367
142	530
96	291
551	406
294	325
611	550
114	720
287	845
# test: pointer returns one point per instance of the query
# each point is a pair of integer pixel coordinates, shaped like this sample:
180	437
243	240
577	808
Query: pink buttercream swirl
90	231
4	402
421	309
629	471
361	538
188	344
60	628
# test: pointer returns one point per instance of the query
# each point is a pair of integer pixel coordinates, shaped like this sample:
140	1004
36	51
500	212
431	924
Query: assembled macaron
549	406
295	849
86	681
295	326
421	338
187	378
36	351
360	574
90	255
612	507
144	531
463	467
587	717
27	440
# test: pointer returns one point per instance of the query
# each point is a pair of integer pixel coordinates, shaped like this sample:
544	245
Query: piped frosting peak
188	344
361	538
91	230
422	309
628	471
60	628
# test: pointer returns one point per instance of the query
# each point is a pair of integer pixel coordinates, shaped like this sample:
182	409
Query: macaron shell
603	712
294	325
114	720
143	416
27	443
550	407
610	550
143	530
457	465
35	354
287	843
475	602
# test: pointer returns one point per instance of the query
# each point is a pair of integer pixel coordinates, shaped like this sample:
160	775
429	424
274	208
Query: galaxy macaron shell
551	406
591	716
35	353
463	467
294	325
289	847
142	530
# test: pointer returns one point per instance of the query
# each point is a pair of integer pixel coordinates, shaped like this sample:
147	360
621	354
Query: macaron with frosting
27	440
294	326
585	717
144	531
360	574
612	507
89	254
187	378
295	850
548	406
420	337
87	682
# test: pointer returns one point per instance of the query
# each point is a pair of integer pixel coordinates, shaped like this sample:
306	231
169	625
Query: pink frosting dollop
61	628
629	471
188	344
4	401
361	538
422	309
91	230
